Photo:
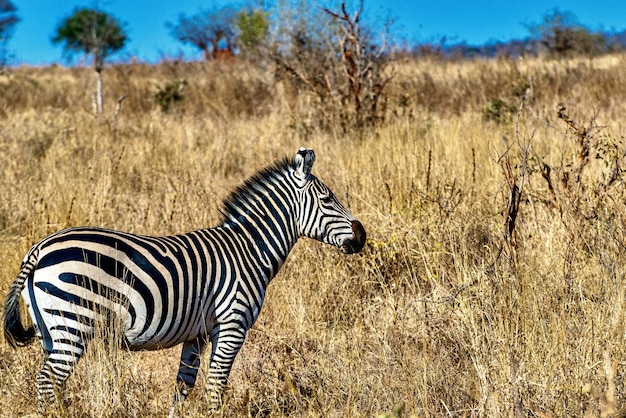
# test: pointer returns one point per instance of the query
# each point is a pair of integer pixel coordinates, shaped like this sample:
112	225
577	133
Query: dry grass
440	315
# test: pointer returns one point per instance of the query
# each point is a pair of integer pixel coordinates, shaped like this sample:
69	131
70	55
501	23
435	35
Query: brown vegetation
454	308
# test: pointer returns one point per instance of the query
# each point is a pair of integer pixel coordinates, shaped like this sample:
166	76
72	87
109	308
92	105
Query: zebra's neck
263	211
268	244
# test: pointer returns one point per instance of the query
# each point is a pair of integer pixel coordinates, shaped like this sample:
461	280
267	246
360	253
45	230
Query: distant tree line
332	54
558	35
246	31
329	53
99	34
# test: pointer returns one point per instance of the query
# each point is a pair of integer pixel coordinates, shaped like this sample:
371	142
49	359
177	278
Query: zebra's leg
58	366
189	366
64	334
226	340
187	371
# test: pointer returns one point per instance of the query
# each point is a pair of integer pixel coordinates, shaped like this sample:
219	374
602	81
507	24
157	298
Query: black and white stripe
204	286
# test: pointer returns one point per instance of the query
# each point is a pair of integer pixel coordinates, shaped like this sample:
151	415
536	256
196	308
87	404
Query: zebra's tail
14	331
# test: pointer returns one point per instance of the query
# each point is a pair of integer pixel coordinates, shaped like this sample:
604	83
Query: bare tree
342	66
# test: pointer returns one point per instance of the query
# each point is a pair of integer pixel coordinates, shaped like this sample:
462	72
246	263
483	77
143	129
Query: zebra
204	286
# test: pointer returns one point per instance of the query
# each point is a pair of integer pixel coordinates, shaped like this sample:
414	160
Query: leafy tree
207	29
562	35
253	28
8	20
91	31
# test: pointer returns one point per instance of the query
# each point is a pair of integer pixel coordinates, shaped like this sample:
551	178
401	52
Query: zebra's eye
326	199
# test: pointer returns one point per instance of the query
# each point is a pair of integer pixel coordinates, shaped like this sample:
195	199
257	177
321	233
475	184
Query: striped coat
206	286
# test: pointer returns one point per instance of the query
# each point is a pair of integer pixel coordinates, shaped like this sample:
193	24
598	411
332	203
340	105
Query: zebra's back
161	290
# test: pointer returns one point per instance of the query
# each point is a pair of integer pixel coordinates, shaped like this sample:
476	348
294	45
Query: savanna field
492	191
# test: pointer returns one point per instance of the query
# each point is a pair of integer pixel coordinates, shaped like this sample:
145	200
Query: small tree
207	29
94	32
8	20
562	36
254	27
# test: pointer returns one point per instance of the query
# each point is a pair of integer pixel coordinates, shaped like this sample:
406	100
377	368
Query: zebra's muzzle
356	243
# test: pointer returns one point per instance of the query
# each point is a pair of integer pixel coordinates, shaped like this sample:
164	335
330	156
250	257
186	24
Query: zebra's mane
246	194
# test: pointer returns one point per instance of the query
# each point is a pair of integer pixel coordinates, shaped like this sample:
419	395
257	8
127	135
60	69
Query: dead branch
299	75
546	174
361	69
581	134
340	66
514	199
118	105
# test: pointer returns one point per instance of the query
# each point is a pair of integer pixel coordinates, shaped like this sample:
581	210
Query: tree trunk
98	68
99	91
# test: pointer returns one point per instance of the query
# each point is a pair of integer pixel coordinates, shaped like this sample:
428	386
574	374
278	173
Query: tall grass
440	315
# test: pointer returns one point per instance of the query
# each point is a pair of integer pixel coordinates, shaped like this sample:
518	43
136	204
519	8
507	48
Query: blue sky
473	21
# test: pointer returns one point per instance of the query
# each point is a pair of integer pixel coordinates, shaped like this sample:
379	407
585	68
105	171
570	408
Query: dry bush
333	61
439	315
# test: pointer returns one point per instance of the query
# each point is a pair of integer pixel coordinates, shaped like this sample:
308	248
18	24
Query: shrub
168	94
341	66
499	111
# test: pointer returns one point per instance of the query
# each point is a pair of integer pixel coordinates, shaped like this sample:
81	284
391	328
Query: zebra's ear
304	161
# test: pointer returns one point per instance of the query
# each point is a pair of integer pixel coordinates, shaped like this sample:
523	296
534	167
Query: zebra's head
320	214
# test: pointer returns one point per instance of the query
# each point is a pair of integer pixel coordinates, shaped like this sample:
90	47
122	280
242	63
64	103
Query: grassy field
450	310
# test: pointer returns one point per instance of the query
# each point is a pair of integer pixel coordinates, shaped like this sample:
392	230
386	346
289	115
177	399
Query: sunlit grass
438	313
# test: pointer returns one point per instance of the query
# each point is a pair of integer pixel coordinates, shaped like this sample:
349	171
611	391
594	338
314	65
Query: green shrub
169	94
